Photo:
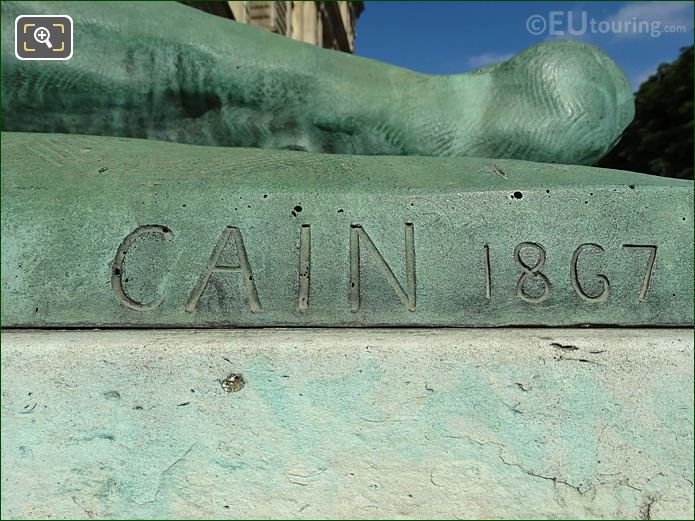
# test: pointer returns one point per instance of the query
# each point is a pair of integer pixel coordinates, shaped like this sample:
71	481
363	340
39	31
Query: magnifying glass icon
42	35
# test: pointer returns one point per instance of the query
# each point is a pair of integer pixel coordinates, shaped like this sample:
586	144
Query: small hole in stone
116	271
297	208
265	196
547	191
517	195
233	383
183	206
341	211
165	229
632	187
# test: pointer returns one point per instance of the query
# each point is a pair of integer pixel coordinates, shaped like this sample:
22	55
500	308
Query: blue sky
451	37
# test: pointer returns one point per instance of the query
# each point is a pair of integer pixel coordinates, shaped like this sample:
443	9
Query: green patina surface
108	231
332	240
545	423
162	70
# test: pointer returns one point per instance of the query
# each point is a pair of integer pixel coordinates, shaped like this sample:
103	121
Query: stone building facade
327	24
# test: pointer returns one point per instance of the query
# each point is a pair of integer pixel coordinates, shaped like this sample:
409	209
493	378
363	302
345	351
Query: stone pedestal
130	232
370	423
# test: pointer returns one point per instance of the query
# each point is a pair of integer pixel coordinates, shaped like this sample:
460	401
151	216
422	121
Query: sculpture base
539	423
109	232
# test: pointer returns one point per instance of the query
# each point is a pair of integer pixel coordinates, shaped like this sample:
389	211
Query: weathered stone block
123	232
521	423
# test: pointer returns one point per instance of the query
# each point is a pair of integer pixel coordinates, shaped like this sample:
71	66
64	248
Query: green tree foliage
660	139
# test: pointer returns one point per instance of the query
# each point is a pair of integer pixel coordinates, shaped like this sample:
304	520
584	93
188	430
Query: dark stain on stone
112	395
233	383
522	387
28	409
569	347
295	148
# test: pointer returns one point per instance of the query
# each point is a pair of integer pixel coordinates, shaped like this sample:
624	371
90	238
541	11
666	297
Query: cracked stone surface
504	423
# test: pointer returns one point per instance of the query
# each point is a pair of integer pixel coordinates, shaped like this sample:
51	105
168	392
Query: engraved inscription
117	267
532	286
304	267
488	276
650	267
601	297
242	267
359	237
531	271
